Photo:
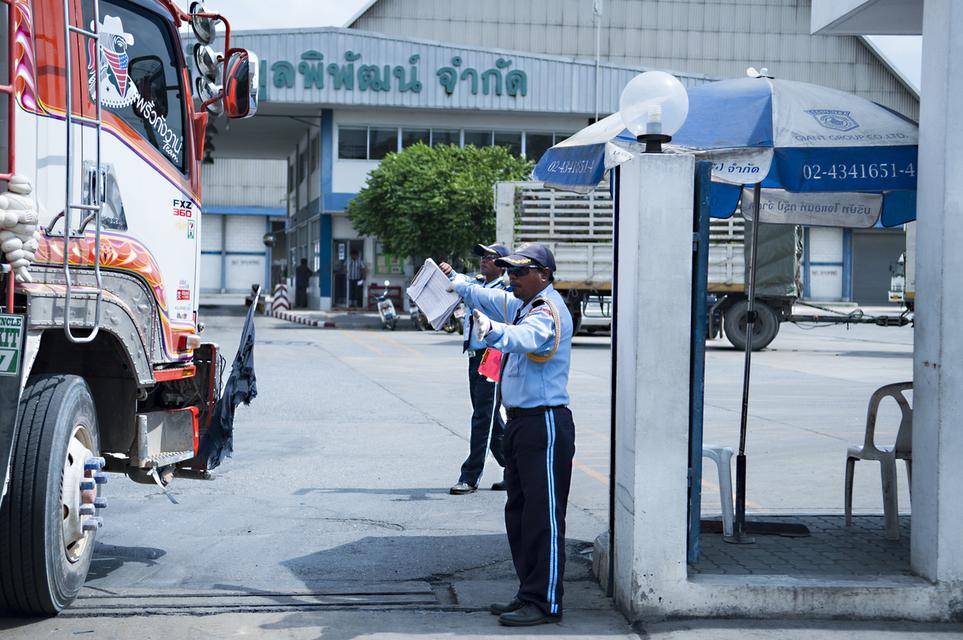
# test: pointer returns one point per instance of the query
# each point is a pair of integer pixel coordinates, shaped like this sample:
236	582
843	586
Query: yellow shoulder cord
558	334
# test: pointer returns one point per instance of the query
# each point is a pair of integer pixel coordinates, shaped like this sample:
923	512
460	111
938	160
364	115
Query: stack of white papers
430	292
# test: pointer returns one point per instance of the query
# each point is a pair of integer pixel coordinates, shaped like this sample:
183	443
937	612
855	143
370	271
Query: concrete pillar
937	545
652	410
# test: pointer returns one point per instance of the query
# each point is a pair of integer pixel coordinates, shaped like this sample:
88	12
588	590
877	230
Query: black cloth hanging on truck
241	386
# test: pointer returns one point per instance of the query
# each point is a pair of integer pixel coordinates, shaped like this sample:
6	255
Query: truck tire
764	329
44	552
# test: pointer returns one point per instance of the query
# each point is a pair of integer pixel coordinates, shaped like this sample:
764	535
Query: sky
903	52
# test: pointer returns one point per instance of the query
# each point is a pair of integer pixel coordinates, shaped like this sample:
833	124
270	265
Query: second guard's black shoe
461	489
499	608
499	486
528	616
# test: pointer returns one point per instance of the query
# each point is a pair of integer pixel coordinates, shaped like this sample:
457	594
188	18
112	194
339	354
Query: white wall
652	408
244	183
240	236
825	280
212	239
937	545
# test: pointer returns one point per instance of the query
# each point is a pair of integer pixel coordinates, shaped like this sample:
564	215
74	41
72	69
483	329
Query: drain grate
137	602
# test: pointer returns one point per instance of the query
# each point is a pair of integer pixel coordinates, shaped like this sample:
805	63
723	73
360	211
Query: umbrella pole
739	534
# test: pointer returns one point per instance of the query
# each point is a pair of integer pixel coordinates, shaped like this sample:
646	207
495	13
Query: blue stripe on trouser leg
552	514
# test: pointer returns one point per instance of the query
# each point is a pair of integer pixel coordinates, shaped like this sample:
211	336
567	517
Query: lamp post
653	106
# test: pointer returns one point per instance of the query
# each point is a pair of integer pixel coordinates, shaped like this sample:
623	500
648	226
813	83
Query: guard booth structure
652	577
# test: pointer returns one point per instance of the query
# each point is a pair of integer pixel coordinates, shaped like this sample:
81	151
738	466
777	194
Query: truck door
152	213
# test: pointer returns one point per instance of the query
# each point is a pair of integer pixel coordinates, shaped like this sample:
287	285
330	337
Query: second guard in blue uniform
487	426
533	328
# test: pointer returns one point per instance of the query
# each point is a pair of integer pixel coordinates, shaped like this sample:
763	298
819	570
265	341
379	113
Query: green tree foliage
434	201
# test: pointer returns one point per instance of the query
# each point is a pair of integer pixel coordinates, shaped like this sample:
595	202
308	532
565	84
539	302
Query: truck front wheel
764	329
45	542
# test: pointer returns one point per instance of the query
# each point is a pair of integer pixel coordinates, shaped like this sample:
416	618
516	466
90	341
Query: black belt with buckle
530	411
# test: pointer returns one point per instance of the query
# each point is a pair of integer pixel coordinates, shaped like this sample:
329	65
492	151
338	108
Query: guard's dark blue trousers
487	426
538	470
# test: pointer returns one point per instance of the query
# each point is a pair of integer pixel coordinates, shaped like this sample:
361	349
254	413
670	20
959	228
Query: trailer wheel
45	545
764	329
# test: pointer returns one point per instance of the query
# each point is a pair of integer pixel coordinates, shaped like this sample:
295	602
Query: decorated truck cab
102	365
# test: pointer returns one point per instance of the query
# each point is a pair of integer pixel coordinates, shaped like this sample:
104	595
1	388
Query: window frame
341	128
385	128
172	41
521	140
456	131
491	137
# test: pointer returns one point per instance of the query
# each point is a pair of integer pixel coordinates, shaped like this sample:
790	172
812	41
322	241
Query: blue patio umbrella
812	155
845	160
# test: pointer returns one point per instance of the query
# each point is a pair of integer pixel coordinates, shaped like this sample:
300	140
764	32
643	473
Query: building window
302	165
512	141
290	177
478	138
315	239
411	137
315	153
536	144
387	264
445	136
302	242
381	142
352	143
562	136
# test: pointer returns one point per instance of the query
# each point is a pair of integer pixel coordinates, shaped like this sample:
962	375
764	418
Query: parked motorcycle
455	320
418	318
386	309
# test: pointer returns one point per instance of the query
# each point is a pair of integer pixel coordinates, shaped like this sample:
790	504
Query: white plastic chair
887	456
722	456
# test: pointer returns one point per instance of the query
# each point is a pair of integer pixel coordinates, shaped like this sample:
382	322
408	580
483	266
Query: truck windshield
140	81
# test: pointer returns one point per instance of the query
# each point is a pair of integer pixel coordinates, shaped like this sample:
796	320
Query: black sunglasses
518	272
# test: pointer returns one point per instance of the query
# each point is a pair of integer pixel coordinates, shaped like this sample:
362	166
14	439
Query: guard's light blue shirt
474	344
518	329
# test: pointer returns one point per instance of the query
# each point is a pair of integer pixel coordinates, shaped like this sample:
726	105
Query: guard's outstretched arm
535	333
495	303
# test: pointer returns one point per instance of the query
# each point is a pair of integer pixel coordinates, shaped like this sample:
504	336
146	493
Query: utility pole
597	13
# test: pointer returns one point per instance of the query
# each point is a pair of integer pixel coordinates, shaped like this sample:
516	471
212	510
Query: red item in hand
491	364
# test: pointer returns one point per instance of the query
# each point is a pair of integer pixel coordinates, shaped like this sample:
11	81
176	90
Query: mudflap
12	330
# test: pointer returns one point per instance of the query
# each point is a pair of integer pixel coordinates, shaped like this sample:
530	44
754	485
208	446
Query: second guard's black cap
491	250
532	254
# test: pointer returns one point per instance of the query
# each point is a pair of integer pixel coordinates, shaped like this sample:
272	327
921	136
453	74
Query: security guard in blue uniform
487	426
533	328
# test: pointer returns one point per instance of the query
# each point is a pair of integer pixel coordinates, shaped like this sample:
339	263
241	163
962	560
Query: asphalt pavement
333	518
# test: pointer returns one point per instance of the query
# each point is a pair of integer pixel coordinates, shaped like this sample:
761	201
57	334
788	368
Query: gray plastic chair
887	456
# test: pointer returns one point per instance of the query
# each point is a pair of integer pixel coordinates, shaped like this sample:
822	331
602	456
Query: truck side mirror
241	84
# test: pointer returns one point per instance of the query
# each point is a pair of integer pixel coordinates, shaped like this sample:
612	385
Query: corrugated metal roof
245	183
554	84
734	34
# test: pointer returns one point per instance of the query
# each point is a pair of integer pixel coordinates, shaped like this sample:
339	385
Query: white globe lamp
653	107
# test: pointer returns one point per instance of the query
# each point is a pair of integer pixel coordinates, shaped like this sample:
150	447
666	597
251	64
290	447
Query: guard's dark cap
529	255
492	250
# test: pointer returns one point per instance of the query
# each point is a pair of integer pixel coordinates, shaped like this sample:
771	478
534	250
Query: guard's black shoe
528	616
499	608
461	489
499	486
